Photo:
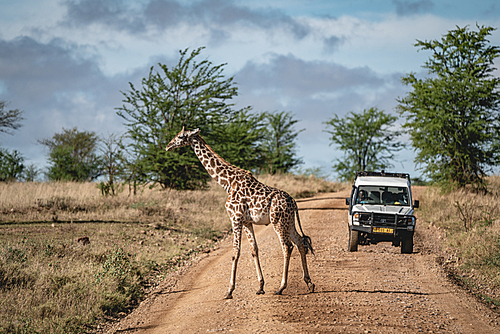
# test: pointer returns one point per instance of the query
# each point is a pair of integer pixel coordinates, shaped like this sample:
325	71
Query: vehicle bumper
382	223
395	230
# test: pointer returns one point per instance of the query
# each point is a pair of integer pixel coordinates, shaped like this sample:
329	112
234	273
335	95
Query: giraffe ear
195	131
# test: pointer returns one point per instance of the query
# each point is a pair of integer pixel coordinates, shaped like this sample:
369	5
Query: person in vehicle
363	197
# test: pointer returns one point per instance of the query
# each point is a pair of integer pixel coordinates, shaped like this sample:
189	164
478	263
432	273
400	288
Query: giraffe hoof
261	292
229	296
311	287
278	292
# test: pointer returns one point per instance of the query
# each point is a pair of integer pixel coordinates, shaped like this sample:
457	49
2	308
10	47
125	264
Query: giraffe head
183	138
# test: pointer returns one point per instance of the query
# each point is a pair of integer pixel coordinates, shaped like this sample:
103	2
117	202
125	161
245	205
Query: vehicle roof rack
384	174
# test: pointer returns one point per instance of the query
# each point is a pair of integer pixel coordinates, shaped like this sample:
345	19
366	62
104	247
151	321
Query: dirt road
374	290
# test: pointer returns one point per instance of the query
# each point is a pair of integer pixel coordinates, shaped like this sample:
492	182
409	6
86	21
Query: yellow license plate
382	230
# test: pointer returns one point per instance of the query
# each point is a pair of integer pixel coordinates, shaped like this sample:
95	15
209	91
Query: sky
65	63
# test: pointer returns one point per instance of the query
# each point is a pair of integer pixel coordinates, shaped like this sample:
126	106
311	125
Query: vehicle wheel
396	242
407	243
353	240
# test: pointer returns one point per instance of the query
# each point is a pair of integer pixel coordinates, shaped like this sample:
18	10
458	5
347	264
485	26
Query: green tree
193	94
9	119
73	156
113	163
452	117
366	139
239	140
278	142
11	165
30	172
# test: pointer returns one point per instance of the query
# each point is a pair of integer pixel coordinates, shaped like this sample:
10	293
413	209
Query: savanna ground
163	253
71	258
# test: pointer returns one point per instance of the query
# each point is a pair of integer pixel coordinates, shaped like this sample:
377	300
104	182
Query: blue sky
64	62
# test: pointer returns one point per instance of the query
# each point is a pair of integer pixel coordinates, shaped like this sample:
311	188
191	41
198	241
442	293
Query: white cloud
65	62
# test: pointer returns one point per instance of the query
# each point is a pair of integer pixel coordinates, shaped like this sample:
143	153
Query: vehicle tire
396	242
407	243
353	240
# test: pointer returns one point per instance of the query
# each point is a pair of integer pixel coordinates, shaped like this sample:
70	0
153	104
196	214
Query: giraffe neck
218	168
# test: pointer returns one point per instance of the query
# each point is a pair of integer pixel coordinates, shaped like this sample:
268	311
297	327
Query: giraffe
249	203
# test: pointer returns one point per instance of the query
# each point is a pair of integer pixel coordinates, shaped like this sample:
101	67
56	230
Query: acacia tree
73	155
9	119
366	139
192	94
278	142
30	173
11	165
11	162
452	116
239	140
113	164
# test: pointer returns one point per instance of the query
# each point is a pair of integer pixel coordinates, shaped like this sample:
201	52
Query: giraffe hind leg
287	248
303	244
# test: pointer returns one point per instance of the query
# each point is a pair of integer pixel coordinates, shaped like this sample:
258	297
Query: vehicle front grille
381	219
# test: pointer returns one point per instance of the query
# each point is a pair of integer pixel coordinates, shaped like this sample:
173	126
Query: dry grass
472	225
50	282
77	202
66	202
301	186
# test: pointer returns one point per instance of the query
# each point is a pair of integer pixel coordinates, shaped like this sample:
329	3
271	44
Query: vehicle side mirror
347	201
416	204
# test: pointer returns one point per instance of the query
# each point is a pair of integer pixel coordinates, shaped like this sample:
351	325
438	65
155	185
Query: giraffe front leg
236	256
255	254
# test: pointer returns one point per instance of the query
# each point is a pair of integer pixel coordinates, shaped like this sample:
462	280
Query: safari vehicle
381	209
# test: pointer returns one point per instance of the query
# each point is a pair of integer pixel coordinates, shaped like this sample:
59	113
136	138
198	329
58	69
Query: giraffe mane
221	158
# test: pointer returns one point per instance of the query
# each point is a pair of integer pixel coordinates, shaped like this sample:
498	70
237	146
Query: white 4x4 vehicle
381	209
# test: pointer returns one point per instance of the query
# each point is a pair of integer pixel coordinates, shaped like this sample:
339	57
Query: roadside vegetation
71	258
470	222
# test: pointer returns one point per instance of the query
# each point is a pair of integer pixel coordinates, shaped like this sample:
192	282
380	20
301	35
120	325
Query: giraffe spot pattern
249	202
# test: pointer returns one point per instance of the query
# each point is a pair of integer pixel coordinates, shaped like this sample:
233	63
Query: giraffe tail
305	239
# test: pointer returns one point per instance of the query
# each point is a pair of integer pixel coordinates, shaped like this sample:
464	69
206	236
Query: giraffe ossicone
249	203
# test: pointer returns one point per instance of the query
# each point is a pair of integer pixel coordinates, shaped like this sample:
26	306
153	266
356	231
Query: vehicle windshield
382	195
